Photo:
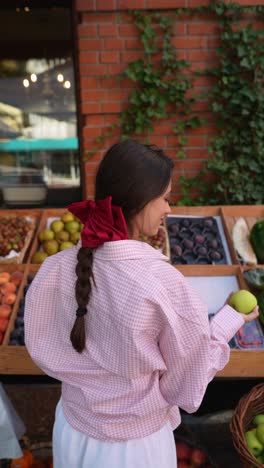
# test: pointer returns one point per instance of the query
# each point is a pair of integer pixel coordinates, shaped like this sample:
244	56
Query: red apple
183	450
198	457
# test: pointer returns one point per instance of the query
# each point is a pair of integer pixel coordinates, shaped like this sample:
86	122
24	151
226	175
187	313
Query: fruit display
15	235
243	301
191	456
257	239
9	284
159	241
195	240
255	438
59	234
17	335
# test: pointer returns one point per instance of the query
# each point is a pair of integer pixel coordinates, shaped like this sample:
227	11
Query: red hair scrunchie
102	221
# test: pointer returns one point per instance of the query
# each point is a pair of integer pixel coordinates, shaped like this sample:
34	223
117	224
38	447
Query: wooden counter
243	364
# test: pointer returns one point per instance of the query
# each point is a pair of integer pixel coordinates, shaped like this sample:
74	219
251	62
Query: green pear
243	301
258	419
50	247
57	225
46	234
39	257
253	444
62	236
67	217
260	433
74	237
71	227
66	245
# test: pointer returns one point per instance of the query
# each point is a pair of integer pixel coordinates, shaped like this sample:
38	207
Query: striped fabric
150	348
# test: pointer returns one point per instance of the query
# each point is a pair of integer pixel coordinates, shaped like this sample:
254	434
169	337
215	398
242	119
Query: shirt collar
127	250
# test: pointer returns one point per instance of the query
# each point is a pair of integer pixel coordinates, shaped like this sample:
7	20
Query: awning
43	144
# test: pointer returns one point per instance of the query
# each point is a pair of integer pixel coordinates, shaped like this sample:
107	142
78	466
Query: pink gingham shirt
150	348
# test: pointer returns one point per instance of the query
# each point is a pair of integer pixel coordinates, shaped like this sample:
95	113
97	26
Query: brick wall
106	41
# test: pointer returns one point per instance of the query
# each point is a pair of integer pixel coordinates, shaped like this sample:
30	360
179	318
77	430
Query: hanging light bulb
26	83
60	77
33	77
67	84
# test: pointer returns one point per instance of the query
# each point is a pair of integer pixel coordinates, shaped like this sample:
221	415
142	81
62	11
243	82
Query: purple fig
174	229
199	239
188	243
214	244
176	250
215	255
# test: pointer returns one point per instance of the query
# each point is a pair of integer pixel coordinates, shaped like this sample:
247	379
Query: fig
188	244
215	255
174	229
177	250
199	239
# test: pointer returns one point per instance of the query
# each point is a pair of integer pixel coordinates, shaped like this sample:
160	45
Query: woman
140	346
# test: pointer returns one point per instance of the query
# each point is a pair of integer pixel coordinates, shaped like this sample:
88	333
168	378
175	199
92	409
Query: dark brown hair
133	174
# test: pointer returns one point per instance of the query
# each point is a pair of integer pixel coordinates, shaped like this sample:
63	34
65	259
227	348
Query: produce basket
248	407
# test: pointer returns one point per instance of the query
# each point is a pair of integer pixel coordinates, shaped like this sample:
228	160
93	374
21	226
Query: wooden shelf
243	364
15	360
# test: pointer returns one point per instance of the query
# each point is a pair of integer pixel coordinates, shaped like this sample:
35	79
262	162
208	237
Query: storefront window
38	124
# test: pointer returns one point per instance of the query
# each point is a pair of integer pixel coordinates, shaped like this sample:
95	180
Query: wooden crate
15	359
34	218
10	268
202	212
43	224
230	214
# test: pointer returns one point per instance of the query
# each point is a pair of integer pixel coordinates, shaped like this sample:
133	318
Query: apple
253	444
198	457
243	301
183	450
260	433
258	419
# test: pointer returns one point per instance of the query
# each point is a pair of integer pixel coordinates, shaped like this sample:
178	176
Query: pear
46	234
260	433
71	227
67	217
74	237
62	236
50	247
57	225
253	444
243	301
66	245
39	257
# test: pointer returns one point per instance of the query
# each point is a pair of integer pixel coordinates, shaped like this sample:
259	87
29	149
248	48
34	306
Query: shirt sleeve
193	348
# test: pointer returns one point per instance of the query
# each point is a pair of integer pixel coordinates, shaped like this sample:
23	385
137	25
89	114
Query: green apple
243	301
258	419
253	444
260	433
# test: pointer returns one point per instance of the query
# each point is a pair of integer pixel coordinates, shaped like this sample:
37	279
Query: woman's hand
252	315
247	317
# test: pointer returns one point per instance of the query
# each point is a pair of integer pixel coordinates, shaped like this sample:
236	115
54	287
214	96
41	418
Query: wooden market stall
217	277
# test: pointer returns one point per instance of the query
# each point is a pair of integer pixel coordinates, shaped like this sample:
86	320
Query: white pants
73	449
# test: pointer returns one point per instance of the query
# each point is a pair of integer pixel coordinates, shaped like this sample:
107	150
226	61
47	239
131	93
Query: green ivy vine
234	173
235	170
161	83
